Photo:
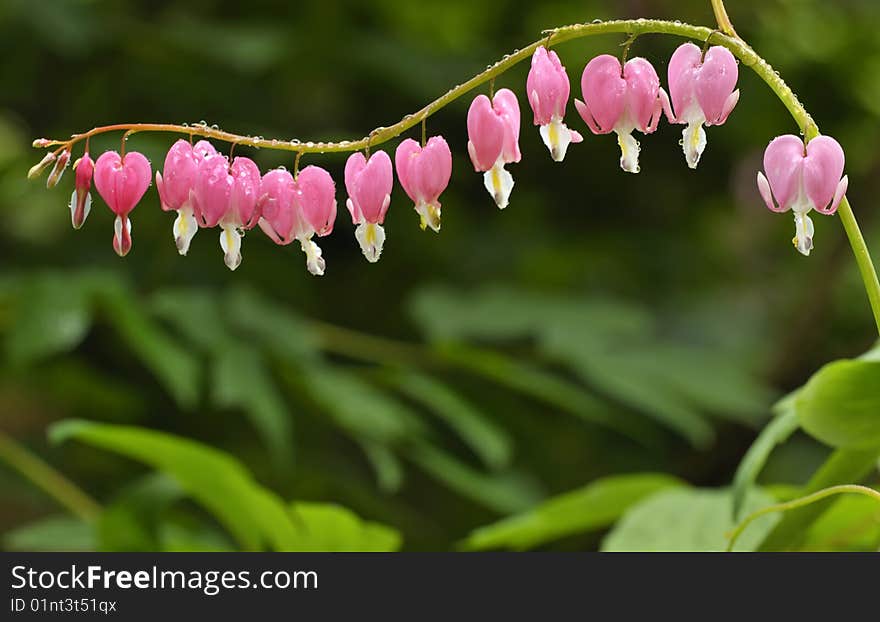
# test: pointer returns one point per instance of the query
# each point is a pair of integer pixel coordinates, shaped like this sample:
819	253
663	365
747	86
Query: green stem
800	502
65	492
724	24
863	257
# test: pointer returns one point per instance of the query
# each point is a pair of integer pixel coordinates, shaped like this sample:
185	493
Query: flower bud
37	169
58	170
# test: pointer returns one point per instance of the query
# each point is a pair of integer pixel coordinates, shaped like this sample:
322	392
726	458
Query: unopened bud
58	169
41	143
38	168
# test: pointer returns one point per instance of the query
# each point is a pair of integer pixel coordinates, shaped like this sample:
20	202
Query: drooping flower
424	173
298	209
81	199
493	141
548	90
227	196
621	100
122	181
702	92
176	186
803	179
368	183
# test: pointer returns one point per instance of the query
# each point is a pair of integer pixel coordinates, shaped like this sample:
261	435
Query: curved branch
380	135
724	24
558	35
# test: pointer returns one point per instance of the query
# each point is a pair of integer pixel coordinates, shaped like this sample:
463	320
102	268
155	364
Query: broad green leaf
53	316
331	528
240	379
503	492
844	466
689	519
490	442
174	366
359	408
594	506
255	516
175	537
851	523
775	433
840	405
55	533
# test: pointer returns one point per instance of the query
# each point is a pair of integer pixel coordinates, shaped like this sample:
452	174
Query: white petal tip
371	238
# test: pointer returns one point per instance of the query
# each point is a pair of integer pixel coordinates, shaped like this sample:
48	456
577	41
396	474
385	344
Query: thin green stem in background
65	492
800	502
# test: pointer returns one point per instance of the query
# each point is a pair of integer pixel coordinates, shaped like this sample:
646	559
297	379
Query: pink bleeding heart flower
548	90
369	183
176	186
81	199
298	209
424	173
493	141
702	92
122	181
621	100
227	196
803	179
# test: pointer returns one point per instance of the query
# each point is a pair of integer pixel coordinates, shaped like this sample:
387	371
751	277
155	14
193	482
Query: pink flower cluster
207	189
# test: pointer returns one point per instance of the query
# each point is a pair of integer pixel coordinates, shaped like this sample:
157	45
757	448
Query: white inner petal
185	227
557	137
314	261
629	150
371	238
499	184
230	242
693	142
429	215
803	238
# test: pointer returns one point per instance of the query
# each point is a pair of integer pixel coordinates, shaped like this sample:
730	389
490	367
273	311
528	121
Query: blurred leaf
277	328
195	314
53	317
55	533
359	408
490	442
840	404
844	466
389	471
775	433
688	520
502	492
332	528
172	365
241	380
251	513
131	522
174	537
594	506
543	386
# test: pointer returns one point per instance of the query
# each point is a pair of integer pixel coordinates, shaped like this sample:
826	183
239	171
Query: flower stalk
636	27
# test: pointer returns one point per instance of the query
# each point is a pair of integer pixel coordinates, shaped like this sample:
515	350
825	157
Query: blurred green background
604	324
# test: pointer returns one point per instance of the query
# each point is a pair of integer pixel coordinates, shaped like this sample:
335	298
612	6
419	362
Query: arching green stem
728	38
800	502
